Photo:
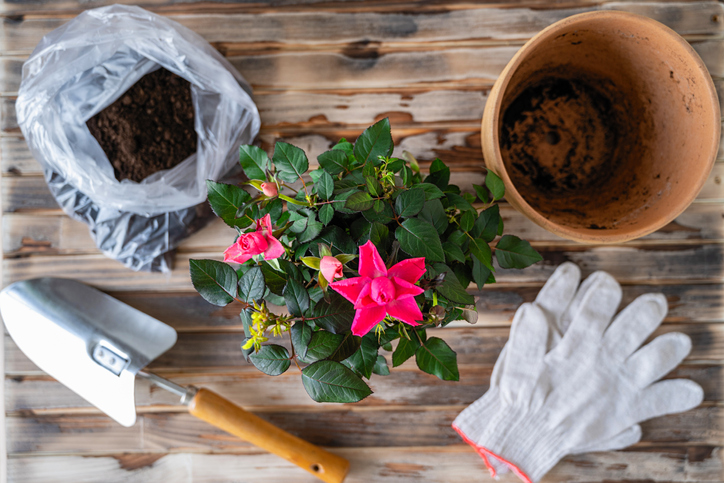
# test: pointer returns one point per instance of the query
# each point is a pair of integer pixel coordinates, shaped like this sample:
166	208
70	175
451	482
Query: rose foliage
366	253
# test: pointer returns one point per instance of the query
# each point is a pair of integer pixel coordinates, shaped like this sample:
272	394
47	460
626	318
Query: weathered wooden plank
405	386
56	234
370	68
314	28
69	8
30	193
346	427
209	352
661	264
450	464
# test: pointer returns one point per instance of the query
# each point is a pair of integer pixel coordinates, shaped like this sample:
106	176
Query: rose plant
364	253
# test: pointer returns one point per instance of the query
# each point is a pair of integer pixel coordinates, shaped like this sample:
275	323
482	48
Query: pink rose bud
269	189
331	268
261	241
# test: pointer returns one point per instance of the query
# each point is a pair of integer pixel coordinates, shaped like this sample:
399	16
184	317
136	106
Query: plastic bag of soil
81	68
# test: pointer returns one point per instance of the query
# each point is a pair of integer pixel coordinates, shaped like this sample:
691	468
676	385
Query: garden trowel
96	345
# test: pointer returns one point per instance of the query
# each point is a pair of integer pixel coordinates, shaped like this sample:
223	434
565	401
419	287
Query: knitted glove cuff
520	438
473	420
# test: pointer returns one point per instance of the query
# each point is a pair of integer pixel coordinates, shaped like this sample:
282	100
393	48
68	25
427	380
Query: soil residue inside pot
149	128
560	134
562	140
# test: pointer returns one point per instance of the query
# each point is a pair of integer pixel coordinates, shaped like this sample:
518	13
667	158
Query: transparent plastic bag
84	66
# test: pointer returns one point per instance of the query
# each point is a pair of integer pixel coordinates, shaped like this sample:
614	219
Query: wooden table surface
323	69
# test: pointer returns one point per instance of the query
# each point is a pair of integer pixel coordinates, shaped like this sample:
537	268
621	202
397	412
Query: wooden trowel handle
222	413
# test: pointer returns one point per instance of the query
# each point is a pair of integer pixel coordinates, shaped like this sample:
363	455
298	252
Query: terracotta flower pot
604	127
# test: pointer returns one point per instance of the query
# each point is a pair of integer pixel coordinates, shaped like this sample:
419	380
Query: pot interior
606	124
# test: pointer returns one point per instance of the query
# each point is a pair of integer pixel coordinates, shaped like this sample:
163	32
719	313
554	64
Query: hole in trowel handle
317	468
110	358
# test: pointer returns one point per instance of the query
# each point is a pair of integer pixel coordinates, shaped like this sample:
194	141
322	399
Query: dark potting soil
149	128
560	136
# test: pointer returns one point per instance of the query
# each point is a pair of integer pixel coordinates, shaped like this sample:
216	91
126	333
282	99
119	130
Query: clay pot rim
513	196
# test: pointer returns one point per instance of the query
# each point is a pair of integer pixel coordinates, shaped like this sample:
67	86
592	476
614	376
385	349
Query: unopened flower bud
269	189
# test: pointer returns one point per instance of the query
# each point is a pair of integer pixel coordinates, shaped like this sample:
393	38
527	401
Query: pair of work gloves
570	381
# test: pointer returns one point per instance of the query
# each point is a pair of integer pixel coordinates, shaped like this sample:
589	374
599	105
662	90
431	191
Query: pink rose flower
378	292
257	242
331	268
269	189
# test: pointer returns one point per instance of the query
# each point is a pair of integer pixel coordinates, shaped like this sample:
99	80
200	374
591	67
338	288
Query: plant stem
294	355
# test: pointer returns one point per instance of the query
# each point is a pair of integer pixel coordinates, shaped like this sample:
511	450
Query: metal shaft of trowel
185	393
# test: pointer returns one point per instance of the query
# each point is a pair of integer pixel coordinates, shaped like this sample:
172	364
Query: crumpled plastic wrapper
84	66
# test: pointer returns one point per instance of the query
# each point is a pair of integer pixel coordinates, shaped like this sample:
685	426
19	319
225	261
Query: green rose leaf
214	280
254	161
226	200
384	215
453	253
406	348
460	203
512	252
326	213
335	316
334	161
322	345
323	182
467	220
418	238
290	161
359	201
296	297
432	192
495	185
301	335
364	359
271	359
340	200
481	250
273	279
314	228
329	381
481	274
482	193
346	348
375	141
439	174
410	202
450	288
381	368
437	358
252	285
434	213
373	186
486	226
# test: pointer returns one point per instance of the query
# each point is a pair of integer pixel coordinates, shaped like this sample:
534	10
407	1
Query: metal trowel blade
87	340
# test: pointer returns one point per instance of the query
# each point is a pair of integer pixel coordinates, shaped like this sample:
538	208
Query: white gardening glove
586	393
559	299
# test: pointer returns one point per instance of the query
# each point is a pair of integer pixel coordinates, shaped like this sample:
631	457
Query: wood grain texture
325	69
664	264
30	193
56	234
386	427
313	28
213	352
451	464
405	387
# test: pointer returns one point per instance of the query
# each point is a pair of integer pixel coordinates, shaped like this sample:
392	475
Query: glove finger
667	397
624	439
634	325
595	282
656	359
525	351
558	292
593	312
